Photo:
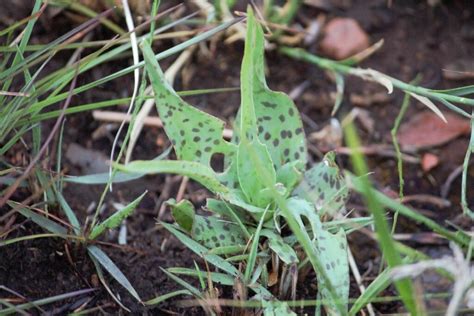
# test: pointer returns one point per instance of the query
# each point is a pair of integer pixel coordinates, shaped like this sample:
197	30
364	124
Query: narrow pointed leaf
41	220
115	219
167	296
112	269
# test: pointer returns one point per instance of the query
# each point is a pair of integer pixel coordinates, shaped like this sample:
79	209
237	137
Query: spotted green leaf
195	135
255	168
115	219
278	123
276	243
227	211
324	186
332	251
214	232
210	231
303	211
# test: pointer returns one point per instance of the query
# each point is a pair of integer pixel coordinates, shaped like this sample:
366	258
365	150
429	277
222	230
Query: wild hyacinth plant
263	190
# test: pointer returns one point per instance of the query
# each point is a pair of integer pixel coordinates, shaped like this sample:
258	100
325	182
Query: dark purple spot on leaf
269	104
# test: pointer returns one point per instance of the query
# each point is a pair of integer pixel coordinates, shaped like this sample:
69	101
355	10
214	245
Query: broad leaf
253	164
183	213
195	135
213	232
278	123
332	251
227	211
284	251
210	231
324	186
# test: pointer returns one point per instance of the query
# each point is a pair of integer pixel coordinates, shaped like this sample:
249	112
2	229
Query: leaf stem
328	64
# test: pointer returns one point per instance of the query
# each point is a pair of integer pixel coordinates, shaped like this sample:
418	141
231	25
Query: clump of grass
25	110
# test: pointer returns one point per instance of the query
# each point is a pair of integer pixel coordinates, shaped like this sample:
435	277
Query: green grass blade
83	10
71	216
216	277
404	286
459	237
41	220
118	177
461	91
378	285
113	270
160	299
169	52
21	48
100	274
44	301
253	250
37	236
393	132
469	151
202	251
193	290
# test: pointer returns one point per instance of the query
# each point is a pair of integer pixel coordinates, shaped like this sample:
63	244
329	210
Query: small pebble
343	37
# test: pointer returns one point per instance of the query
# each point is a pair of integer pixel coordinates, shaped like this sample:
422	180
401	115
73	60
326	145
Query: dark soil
419	39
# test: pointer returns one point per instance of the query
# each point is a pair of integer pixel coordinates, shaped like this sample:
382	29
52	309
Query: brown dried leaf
426	130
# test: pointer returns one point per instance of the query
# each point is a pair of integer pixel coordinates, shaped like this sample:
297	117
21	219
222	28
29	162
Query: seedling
263	189
84	236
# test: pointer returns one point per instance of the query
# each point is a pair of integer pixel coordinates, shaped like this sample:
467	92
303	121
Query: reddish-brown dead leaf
426	130
429	161
343	37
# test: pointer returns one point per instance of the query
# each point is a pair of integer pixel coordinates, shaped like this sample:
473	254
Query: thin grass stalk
328	64
404	286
